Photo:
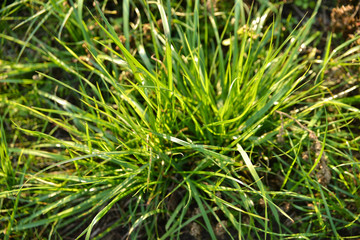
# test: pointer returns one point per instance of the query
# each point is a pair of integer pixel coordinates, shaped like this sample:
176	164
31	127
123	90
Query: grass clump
165	120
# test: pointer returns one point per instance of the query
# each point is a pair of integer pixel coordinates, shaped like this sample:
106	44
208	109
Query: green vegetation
174	120
305	3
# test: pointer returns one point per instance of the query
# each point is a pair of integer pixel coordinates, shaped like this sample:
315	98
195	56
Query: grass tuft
169	120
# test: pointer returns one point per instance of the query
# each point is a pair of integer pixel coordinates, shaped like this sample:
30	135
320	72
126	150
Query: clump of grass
185	131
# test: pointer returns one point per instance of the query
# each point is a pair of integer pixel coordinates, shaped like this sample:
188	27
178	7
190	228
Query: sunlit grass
205	124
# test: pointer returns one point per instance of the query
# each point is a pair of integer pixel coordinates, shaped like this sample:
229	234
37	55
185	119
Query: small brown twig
312	134
161	63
